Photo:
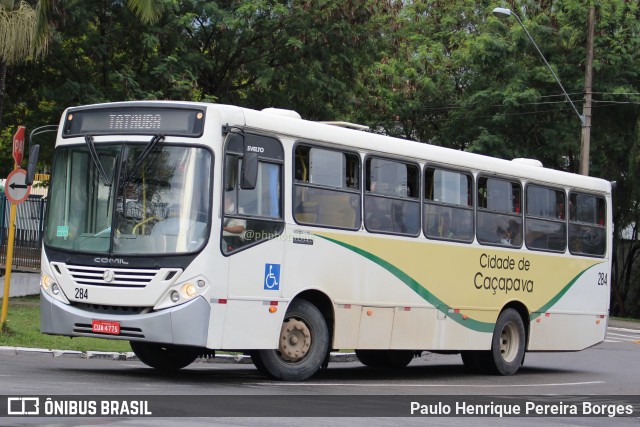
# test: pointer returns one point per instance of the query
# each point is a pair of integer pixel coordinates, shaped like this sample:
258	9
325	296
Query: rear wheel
302	348
164	357
507	347
508	343
389	359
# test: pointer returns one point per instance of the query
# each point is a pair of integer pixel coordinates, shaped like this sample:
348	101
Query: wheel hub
295	340
509	342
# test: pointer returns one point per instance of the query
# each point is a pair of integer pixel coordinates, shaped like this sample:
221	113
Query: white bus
187	228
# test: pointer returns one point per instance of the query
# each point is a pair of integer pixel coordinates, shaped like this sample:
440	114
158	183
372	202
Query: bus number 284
602	279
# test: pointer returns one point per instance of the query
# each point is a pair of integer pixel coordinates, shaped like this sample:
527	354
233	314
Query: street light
501	12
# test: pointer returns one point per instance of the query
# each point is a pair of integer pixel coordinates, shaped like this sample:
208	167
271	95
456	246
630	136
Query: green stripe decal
415	286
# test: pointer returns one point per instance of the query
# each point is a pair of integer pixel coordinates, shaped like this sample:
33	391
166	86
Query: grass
22	329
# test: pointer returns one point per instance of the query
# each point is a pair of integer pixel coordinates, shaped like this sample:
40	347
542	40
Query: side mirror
31	166
249	172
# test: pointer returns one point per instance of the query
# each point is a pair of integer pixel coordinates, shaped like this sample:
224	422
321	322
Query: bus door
252	215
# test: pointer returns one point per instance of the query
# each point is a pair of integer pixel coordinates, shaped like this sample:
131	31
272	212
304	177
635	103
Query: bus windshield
132	199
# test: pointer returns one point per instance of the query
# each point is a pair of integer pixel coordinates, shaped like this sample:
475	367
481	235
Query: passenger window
251	215
545	226
448	212
499	212
326	187
587	224
392	200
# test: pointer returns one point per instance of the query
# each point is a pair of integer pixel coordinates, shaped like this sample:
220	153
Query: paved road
609	369
622	334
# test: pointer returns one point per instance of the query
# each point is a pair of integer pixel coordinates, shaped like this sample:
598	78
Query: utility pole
585	142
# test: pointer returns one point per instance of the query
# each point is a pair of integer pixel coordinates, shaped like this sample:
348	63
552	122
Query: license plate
105	327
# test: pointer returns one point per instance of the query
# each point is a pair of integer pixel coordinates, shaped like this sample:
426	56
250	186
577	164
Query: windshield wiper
96	161
128	176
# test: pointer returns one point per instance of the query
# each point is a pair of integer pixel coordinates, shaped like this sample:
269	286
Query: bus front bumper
185	324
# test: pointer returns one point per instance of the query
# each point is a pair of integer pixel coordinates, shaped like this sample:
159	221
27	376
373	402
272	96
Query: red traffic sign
18	145
15	186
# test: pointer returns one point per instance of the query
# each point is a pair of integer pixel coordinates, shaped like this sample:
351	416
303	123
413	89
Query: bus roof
527	169
289	125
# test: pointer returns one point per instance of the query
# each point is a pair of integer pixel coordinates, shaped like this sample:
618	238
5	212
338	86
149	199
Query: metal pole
585	142
9	263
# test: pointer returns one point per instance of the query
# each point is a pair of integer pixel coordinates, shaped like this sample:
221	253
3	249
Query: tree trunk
3	76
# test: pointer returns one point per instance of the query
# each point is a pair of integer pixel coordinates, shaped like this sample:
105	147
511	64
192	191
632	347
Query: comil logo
23	406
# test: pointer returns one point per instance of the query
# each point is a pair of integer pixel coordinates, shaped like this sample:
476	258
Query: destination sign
138	120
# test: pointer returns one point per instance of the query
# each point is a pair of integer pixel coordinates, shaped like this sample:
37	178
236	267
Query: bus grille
111	309
118	277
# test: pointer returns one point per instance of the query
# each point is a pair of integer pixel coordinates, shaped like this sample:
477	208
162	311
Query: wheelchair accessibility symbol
272	277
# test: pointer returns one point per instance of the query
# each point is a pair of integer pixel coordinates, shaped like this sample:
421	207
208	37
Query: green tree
302	55
18	39
459	77
26	33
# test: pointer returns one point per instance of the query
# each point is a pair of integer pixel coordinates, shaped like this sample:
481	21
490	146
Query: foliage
17	33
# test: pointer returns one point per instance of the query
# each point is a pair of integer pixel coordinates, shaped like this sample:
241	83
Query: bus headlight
46	282
175	296
50	286
182	292
189	290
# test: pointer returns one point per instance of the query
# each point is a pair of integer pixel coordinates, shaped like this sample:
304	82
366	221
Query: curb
335	357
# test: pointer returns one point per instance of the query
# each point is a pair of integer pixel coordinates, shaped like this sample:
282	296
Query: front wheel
164	357
302	348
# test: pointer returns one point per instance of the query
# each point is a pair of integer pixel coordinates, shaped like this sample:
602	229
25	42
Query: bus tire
303	345
385	359
164	357
508	343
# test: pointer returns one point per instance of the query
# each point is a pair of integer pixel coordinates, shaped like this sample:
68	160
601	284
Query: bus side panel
347	325
578	319
256	280
414	328
376	324
249	325
453	335
566	332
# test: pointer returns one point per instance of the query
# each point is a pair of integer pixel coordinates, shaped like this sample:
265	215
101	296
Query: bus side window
587	224
448	211
392	200
500	221
326	187
545	227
